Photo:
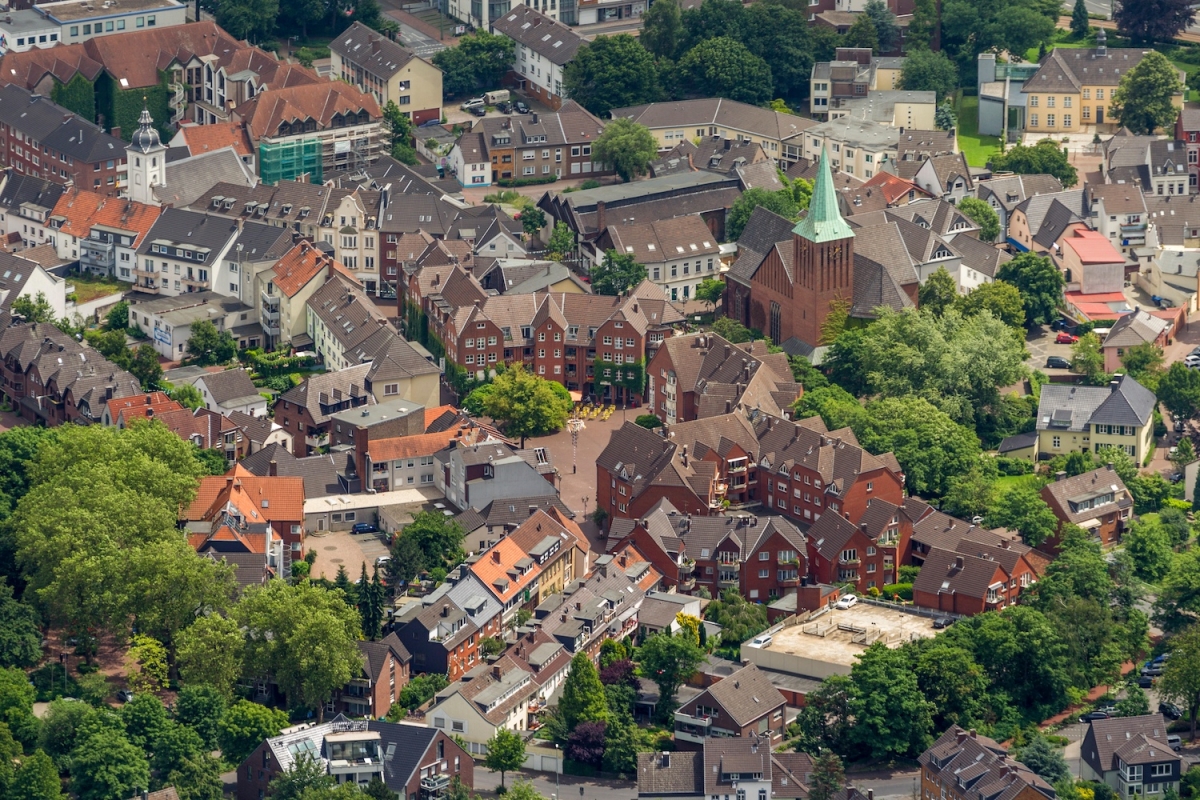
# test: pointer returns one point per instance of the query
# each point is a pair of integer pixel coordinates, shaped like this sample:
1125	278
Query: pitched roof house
741	704
1097	501
1131	755
968	766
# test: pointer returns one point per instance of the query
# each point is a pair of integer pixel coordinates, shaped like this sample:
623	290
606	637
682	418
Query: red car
1066	338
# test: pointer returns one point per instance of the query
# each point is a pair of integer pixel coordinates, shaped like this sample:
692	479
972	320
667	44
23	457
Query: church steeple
145	160
823	222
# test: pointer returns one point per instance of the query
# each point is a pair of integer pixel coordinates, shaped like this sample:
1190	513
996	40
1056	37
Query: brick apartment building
743	704
593	344
38	137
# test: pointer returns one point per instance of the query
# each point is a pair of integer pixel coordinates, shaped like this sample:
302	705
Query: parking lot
1041	345
352	550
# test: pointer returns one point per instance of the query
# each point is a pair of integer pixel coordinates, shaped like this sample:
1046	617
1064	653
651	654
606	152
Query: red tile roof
496	569
137	406
265	499
320	102
202	139
893	186
1093	247
82	209
299	266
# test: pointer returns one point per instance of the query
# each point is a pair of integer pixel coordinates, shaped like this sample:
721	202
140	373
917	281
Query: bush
590	183
513	182
48	682
648	421
902	589
1013	466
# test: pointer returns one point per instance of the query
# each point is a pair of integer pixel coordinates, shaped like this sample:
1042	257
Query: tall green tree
1143	100
1148	21
1044	759
983	215
253	20
922	27
724	67
37	779
197	778
620	744
244	727
1080	24
627	147
200	708
207	345
1040	284
612	72
938	292
107	766
863	34
927	71
478	62
532	222
304	636
210	654
406	562
1088	358
33	309
145	367
662	29
617	273
779	202
1002	300
1149	544
1047	156
306	777
950	678
1180	681
1134	703
562	242
505	752
892	718
1145	363
1022	509
526	404
828	776
583	698
886	30
20	639
669	661
1179	390
710	291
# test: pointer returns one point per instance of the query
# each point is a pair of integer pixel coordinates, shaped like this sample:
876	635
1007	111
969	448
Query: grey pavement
420	43
566	787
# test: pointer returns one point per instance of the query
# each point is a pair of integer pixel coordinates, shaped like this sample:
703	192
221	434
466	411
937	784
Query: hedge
514	182
77	95
902	589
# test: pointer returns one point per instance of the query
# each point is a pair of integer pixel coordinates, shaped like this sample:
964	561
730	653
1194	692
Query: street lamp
574	425
557	769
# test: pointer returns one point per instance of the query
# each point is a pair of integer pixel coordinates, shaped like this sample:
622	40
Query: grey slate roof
319	472
20	189
1011	190
1073	408
229	386
188	178
747	694
329	388
1105	736
1133	329
191	229
551	40
980	256
763	231
370	50
57	127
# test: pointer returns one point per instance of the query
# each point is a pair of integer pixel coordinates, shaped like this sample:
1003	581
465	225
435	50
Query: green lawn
1006	483
89	288
976	148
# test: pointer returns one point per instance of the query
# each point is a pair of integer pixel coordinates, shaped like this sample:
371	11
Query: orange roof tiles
82	209
1093	247
432	414
253	542
299	266
893	186
256	499
628	556
424	444
497	569
202	139
137	404
320	102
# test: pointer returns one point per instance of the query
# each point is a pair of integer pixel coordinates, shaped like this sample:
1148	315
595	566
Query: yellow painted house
1086	418
1073	88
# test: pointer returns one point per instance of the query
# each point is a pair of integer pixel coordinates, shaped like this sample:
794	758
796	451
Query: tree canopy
611	72
627	147
617	273
1149	21
477	62
928	71
780	201
526	404
1047	156
1040	284
724	67
1143	100
983	215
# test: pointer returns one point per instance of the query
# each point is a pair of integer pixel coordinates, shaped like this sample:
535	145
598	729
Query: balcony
728	581
851	561
435	783
194	280
270	315
690	728
687	584
271	328
270	302
687	566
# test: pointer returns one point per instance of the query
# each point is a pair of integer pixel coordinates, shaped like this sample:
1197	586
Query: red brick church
787	277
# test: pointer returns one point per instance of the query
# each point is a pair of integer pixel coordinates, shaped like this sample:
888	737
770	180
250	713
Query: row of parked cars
500	99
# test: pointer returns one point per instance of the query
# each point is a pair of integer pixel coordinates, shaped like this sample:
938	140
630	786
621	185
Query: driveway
343	548
1040	343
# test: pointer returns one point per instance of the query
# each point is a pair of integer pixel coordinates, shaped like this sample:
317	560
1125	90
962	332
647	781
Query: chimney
116	132
958	562
533	118
273	469
728	144
960	736
1061	475
727	351
496	671
600	215
664	759
496	556
622	559
1109	466
683	455
1114	384
870	794
972	732
445	609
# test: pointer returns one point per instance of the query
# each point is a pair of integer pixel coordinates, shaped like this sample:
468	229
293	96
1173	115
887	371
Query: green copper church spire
824	221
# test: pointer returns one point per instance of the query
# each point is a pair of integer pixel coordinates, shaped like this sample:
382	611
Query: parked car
762	640
1170	711
1160	658
1152	670
1066	338
124	695
473	103
521	107
1180	426
943	622
1057	362
479	111
846	601
504	107
1176	477
379	562
1092	716
1175	742
365	527
1145	682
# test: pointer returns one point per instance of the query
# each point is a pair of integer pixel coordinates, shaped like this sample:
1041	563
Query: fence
916	611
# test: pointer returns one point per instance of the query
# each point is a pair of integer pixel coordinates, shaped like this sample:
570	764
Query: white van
498	96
